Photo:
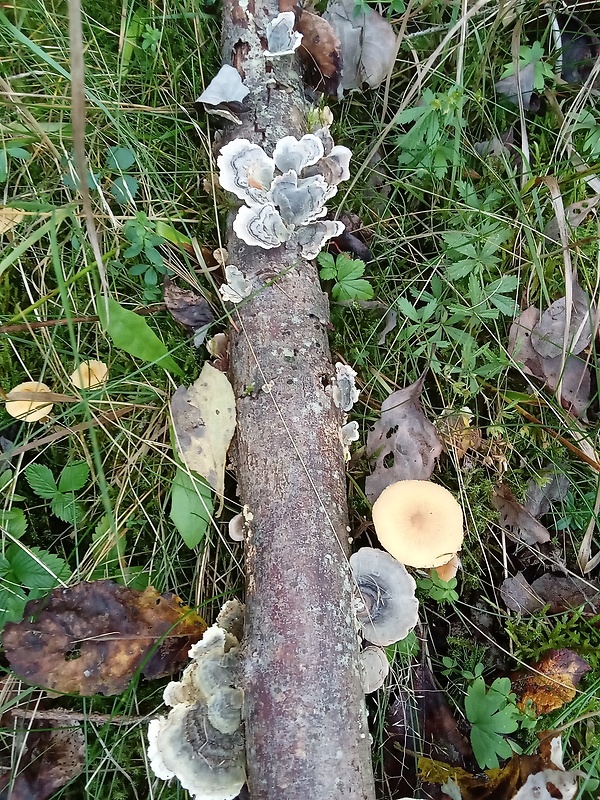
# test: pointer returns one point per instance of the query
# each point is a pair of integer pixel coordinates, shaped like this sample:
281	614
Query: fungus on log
305	717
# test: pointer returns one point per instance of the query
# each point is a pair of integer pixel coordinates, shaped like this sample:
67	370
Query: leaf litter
92	638
403	443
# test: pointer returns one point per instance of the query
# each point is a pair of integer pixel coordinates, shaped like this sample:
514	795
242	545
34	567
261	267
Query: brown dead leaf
539	776
551	682
548	335
566	592
518	595
575	214
403	443
204	421
516	518
187	307
93	637
456	433
548	487
49	759
575	379
320	52
9	218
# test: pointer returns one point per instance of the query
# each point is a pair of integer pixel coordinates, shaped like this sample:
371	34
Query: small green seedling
492	713
141	233
439	590
346	272
532	55
62	495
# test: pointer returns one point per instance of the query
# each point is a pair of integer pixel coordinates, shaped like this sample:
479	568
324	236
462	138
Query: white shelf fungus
374	668
386	606
285	195
419	522
237	287
282	40
201	741
225	94
19	405
297	154
344	392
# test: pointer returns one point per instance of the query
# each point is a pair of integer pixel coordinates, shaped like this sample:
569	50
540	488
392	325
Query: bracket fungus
18	404
344	392
201	741
225	94
285	195
282	39
386	606
420	523
237	287
374	668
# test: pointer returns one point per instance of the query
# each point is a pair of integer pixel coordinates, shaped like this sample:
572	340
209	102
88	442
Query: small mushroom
447	571
245	170
386	606
89	375
18	406
300	200
374	668
282	40
419	522
260	226
296	154
225	95
236	528
312	237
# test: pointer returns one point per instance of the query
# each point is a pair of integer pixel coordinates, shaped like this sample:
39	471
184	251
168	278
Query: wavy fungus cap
420	523
386	606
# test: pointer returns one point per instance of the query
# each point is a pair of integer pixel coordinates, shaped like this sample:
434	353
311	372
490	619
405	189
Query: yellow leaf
9	218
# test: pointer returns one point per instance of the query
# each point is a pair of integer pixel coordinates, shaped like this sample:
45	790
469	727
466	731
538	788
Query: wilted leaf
403	442
575	380
551	682
92	638
320	52
575	214
518	595
514	516
187	307
204	421
9	218
368	43
48	760
523	83
548	335
130	332
456	432
549	487
566	592
191	507
580	48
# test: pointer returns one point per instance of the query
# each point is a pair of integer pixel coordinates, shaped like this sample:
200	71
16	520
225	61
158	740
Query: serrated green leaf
37	569
405	307
5	478
41	480
120	158
65	507
349	268
491	716
191	507
13	521
124	189
328	274
359	289
73	477
12	604
130	332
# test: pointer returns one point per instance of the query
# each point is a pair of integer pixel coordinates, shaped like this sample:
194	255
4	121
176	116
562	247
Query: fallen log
305	716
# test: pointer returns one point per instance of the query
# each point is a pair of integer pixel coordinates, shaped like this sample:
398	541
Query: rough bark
306	727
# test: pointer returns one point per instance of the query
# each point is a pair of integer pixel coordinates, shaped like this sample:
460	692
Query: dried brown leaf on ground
518	595
187	307
548	487
575	214
10	218
92	638
420	721
557	591
550	682
320	53
540	776
368	43
574	379
48	759
515	517
548	335
204	421
403	443
456	433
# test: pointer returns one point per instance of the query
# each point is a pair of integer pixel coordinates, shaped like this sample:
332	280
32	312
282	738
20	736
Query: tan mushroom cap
447	571
89	375
28	410
418	522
